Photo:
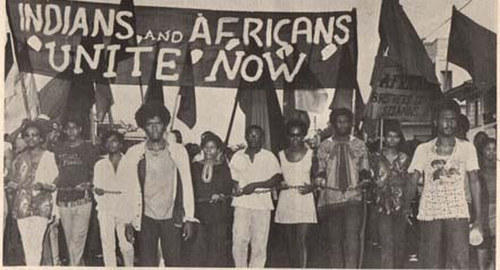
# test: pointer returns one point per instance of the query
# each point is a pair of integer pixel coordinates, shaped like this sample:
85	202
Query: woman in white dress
296	210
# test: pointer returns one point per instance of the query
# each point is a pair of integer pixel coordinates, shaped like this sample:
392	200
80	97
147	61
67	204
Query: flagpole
231	121
140	88
176	105
381	133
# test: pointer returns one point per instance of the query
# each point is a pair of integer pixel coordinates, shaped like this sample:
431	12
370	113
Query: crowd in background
209	205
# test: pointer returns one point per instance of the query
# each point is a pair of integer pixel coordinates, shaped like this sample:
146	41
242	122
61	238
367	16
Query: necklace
207	172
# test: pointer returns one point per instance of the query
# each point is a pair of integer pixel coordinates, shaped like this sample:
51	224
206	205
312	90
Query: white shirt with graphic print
443	195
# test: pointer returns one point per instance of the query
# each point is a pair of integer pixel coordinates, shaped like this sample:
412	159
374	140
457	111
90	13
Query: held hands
216	198
99	191
320	182
248	189
84	186
11	185
306	188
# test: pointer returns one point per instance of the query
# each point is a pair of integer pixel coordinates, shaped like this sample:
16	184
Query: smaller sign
404	105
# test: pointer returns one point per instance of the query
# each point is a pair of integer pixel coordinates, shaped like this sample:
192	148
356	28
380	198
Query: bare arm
271	183
475	188
411	190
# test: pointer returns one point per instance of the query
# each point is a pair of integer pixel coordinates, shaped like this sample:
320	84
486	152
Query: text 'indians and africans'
219	48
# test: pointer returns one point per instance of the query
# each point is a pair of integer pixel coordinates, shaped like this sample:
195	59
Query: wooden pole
231	121
381	134
141	90
174	113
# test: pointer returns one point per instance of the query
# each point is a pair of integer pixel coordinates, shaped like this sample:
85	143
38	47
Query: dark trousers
209	247
392	232
341	226
170	239
449	235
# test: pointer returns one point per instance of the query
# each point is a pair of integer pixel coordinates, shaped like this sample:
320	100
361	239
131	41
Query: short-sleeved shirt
76	166
264	166
443	195
328	163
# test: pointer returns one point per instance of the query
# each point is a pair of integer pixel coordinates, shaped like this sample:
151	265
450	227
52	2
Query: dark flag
400	44
402	69
473	48
9	57
259	103
155	87
187	106
54	95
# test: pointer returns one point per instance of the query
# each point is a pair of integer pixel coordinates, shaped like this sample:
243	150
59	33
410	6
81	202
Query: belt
75	203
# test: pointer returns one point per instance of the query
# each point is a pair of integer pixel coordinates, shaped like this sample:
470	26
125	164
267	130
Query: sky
214	105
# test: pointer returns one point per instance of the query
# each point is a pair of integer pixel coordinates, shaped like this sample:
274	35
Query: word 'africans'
51	19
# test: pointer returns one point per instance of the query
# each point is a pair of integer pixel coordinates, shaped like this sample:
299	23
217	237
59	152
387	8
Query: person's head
296	130
254	135
479	140
113	141
393	134
446	120
178	135
490	149
33	135
463	127
73	128
211	146
153	117
341	120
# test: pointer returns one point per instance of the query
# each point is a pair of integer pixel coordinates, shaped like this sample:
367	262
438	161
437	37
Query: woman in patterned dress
390	167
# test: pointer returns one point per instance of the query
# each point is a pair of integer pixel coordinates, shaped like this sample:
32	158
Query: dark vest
178	211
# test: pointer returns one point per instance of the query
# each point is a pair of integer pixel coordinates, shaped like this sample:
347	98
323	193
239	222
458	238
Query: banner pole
231	121
176	105
142	91
381	134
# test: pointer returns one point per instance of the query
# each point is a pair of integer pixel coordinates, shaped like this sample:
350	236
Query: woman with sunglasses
32	182
296	209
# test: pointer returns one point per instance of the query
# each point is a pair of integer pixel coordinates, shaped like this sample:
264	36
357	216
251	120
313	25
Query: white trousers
250	227
32	230
108	225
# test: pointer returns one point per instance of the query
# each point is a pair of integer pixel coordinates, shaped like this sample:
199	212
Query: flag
102	91
402	68
473	48
20	100
187	106
400	44
103	98
54	95
21	96
155	87
259	103
9	57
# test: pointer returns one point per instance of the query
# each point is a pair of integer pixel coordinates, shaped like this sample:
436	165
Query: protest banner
216	41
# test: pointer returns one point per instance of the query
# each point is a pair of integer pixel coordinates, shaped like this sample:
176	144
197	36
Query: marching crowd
162	202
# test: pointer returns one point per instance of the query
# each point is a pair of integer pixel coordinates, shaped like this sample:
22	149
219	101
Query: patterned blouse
391	178
27	169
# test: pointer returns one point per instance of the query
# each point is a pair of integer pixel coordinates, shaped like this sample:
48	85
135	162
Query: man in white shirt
444	163
118	197
162	170
255	170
